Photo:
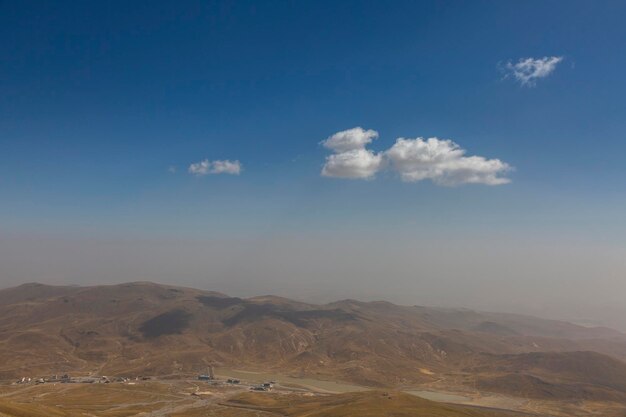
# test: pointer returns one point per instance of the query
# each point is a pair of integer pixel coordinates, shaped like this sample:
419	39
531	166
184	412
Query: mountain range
143	328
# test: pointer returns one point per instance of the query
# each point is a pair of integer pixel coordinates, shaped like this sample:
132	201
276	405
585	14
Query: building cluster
210	378
66	379
266	386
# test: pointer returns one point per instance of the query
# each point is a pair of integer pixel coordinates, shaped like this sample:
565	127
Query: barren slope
148	329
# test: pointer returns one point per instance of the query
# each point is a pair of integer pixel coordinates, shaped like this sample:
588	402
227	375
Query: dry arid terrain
172	334
179	399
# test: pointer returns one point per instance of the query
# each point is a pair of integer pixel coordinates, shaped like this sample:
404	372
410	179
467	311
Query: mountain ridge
143	328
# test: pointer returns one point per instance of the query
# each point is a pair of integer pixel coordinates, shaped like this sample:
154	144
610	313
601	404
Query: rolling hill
149	329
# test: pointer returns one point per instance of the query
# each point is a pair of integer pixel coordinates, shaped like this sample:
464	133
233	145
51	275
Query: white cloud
206	167
226	167
357	163
439	160
200	168
528	70
443	162
350	158
350	140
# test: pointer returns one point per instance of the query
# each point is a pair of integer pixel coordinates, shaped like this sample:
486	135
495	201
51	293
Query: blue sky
99	101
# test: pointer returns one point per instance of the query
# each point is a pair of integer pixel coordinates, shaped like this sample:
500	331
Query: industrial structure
209	376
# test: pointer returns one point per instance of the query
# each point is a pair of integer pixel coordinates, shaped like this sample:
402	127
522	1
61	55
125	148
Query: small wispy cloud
528	70
440	160
206	167
171	169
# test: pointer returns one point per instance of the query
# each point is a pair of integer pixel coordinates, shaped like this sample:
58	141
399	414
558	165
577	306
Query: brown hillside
149	329
571	375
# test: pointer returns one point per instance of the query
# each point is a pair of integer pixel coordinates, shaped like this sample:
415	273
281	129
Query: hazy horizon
482	276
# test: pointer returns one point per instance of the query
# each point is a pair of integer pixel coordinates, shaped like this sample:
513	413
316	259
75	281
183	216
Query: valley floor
289	397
